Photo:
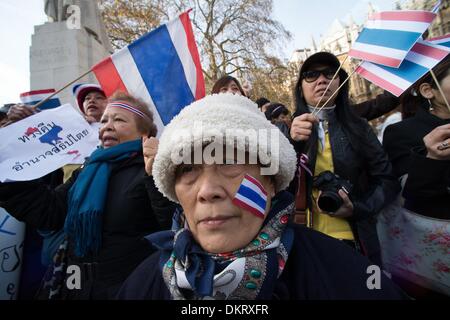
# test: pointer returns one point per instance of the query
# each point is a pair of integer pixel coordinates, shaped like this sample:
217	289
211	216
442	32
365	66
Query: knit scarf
249	273
86	198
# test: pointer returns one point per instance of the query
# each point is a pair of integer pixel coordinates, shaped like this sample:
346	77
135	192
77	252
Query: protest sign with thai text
44	142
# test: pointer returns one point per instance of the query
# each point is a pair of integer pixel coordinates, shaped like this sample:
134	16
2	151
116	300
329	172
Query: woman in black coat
106	208
427	189
418	148
424	191
338	142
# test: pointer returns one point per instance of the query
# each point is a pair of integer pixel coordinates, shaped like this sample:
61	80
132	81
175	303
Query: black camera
330	183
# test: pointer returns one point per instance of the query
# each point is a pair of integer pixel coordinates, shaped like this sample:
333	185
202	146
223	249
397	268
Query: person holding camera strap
350	178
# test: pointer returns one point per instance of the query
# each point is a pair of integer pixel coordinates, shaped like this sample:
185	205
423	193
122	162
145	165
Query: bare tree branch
233	36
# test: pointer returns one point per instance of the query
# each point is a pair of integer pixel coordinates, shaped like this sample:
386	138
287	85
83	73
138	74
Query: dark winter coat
318	268
133	208
399	138
427	187
369	171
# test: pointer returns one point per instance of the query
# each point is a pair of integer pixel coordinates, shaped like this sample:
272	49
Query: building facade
340	37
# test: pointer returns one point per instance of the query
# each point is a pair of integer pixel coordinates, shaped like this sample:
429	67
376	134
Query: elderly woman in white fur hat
227	166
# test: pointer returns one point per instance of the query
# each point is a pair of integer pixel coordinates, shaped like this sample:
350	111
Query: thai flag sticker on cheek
251	196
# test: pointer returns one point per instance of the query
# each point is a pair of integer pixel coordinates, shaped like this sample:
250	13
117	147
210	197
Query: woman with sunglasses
343	156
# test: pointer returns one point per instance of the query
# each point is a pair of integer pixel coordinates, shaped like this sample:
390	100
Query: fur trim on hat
225	116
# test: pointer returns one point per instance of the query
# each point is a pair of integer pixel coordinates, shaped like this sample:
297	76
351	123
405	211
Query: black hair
224	81
352	124
275	109
262	101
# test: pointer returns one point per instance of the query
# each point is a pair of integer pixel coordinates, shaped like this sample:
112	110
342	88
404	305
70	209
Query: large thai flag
421	59
162	68
33	97
251	196
442	41
389	36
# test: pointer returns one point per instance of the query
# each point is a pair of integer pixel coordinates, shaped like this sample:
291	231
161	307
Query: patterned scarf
249	273
86	198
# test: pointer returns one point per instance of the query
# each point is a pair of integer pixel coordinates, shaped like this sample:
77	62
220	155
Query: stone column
59	55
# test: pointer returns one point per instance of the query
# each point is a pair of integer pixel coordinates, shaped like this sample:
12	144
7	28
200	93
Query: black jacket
377	107
369	171
399	138
134	208
426	190
318	268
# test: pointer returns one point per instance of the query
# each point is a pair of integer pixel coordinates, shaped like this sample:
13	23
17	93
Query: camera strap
300	202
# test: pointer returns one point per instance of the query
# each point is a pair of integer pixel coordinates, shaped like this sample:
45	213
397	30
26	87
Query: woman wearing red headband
106	208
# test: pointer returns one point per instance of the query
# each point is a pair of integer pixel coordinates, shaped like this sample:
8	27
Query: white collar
323	113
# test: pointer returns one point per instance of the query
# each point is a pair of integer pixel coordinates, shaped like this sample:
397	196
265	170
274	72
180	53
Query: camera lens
329	201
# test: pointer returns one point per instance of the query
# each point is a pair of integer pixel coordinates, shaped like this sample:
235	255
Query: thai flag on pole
442	41
162	68
251	196
421	59
33	97
390	35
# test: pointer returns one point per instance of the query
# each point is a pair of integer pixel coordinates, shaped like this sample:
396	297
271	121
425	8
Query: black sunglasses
313	75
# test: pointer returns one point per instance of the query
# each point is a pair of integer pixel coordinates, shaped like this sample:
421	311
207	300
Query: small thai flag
33	97
162	68
442	41
421	59
389	36
251	196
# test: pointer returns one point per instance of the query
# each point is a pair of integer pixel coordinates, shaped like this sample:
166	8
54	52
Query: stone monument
69	44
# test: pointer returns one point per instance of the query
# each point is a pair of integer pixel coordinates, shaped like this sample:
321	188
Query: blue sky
301	17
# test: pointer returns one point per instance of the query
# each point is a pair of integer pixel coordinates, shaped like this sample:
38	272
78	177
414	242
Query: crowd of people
143	226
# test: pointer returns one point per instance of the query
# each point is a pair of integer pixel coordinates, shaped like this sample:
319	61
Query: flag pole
55	93
337	90
329	84
440	89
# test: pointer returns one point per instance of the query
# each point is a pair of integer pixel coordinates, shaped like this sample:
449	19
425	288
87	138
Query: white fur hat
224	120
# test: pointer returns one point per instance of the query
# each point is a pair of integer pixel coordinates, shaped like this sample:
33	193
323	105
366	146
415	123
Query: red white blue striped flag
251	196
162	68
436	7
442	41
421	59
389	36
33	97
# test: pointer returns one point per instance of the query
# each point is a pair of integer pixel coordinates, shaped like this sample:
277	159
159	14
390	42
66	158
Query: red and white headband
126	106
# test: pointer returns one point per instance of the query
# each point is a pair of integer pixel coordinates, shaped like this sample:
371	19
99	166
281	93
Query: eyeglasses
313	75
